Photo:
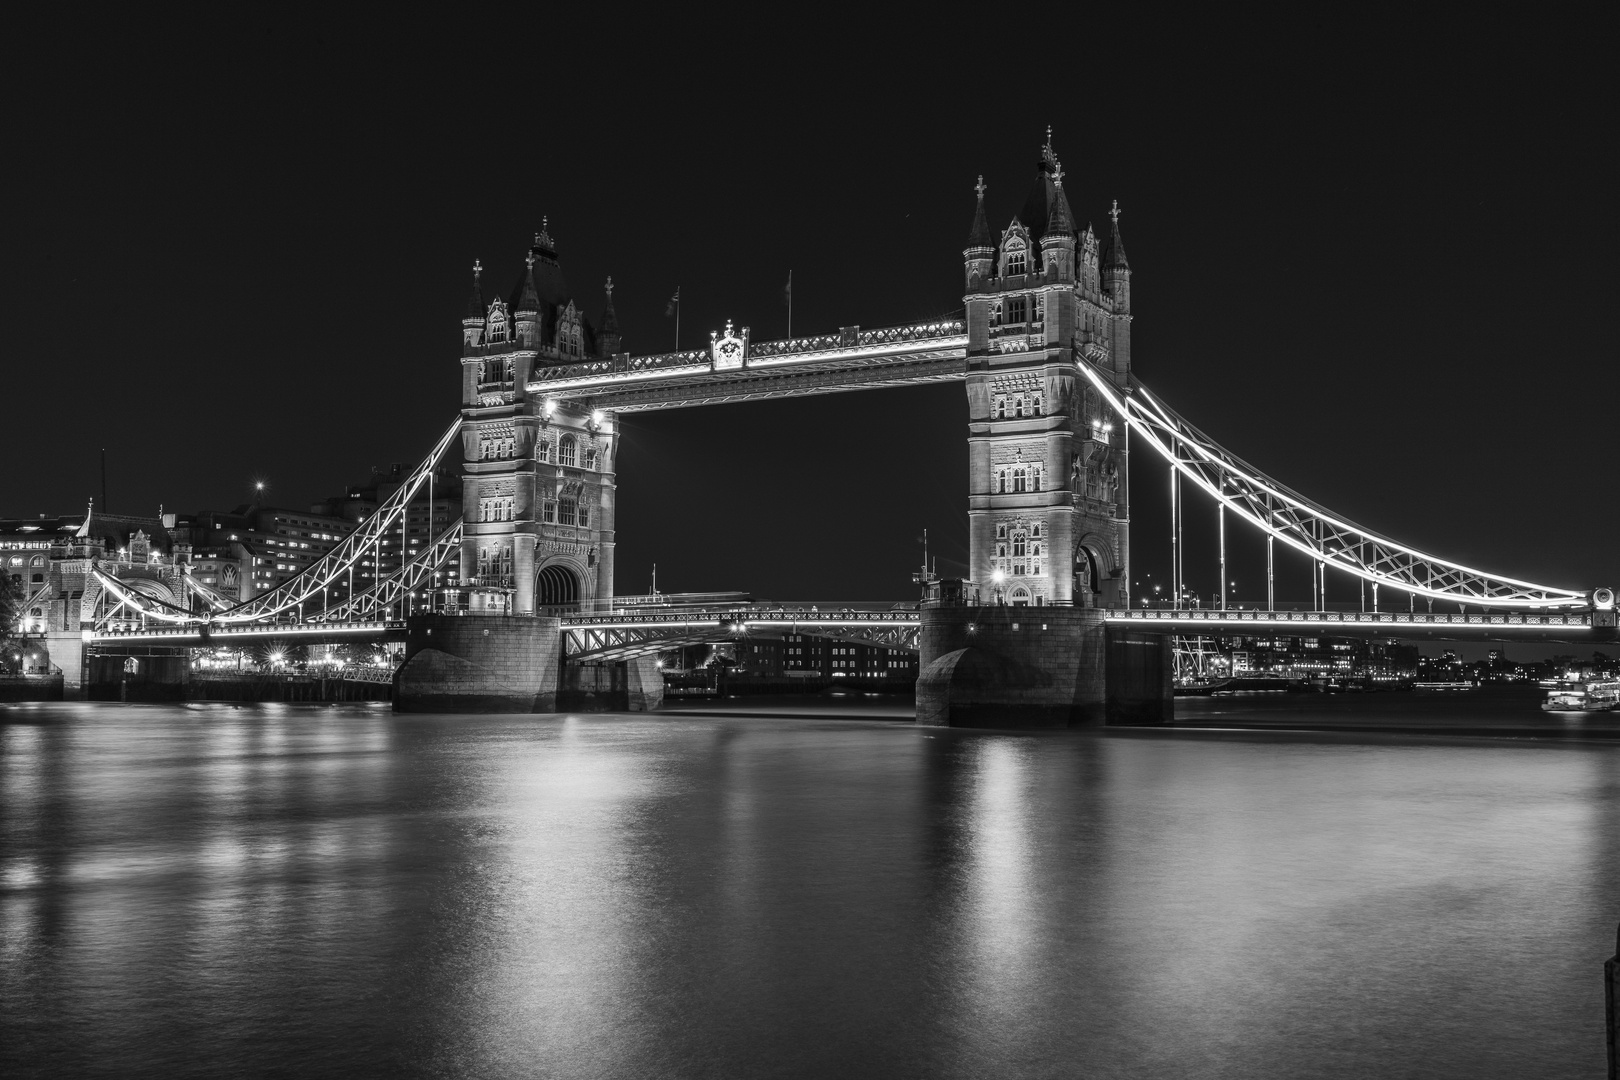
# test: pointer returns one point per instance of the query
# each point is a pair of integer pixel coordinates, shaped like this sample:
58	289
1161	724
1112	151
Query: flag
674	302
787	291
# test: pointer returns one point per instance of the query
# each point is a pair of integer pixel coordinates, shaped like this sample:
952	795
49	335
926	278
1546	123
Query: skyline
1312	273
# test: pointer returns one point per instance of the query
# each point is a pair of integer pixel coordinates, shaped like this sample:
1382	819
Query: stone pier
1037	667
492	663
479	664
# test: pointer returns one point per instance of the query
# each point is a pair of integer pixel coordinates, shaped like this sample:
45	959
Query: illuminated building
538	482
1047	480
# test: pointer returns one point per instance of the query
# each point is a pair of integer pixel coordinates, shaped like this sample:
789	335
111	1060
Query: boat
1596	695
1453	685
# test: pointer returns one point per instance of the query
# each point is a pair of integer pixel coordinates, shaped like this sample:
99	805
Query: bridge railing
1305	619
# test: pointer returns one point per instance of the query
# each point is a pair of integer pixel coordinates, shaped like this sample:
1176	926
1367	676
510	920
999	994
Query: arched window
496	323
37	560
565	451
590	459
1017	260
1020	478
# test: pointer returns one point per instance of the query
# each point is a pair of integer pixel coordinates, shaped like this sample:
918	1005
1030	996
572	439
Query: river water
297	890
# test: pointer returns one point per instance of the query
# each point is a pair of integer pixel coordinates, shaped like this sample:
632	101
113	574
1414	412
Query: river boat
1453	685
1597	695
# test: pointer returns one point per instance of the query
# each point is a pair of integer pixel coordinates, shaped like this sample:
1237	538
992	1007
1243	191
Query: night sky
1376	262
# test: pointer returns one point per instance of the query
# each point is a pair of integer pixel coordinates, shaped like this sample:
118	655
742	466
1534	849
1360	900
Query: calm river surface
315	891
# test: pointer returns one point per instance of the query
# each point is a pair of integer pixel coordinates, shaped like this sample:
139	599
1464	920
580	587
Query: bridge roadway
632	632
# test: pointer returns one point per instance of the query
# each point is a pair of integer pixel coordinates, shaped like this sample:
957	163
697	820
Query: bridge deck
1486	626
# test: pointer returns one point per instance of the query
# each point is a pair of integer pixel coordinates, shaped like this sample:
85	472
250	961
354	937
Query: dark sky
1376	261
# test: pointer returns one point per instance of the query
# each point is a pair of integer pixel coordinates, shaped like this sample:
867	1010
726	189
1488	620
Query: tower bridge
1044	630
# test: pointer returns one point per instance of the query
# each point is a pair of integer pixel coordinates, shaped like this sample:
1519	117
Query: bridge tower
1048	494
1048	498
538	478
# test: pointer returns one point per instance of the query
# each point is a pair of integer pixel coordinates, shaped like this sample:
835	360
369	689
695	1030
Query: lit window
565	451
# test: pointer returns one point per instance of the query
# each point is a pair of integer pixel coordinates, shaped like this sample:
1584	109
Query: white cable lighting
1394	564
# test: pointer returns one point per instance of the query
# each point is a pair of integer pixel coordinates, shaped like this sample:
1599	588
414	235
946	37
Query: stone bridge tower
1048	493
538	504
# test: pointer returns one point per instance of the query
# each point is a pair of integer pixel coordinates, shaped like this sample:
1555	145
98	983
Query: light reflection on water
208	890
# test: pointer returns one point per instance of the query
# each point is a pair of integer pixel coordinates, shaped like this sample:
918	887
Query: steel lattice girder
319	574
1307	527
407	579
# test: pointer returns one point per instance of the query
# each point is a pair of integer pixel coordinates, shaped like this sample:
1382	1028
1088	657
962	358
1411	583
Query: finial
543	237
1114	213
979	187
1049	136
478	268
609	286
1057	175
529	258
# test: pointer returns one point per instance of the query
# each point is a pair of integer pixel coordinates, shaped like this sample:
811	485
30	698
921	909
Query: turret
608	338
472	324
1057	243
979	255
526	309
1117	284
1116	271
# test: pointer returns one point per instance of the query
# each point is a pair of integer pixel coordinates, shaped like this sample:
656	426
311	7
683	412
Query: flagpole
790	303
677	318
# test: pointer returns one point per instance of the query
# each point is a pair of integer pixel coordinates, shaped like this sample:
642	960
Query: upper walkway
852	359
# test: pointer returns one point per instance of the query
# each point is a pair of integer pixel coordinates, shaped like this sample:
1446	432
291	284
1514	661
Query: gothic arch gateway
557	588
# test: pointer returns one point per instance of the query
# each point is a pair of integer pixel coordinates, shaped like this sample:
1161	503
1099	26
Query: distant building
832	658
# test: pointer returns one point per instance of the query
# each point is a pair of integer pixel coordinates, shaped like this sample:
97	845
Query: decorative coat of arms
731	350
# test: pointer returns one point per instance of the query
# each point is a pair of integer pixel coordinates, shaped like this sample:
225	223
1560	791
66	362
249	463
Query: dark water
334	891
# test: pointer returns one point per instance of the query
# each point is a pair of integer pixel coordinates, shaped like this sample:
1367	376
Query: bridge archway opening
1019	597
556	590
1087	577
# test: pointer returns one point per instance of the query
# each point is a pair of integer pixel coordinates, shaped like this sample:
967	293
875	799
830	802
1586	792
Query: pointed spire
542	239
1114	258
610	318
979	237
475	303
1059	220
528	298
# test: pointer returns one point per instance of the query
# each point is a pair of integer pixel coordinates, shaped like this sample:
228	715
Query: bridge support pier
479	664
509	663
66	651
1038	667
135	673
635	685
